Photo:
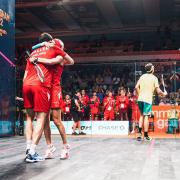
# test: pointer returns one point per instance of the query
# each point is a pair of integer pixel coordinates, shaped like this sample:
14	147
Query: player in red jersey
94	106
122	103
56	102
36	93
135	111
109	104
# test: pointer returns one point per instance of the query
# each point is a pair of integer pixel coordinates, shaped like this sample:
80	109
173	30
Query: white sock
65	145
32	149
50	146
28	144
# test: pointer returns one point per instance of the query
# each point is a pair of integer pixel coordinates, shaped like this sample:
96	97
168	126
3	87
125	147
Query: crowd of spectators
114	82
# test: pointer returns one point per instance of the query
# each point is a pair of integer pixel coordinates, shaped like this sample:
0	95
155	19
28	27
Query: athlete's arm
77	104
19	99
160	92
47	44
137	87
53	61
68	60
37	46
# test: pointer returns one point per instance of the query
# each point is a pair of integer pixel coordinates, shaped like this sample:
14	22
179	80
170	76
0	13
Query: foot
50	152
82	133
139	137
147	138
33	158
65	152
75	133
38	158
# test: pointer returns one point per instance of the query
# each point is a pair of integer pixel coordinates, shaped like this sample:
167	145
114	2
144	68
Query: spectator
94	106
109	105
99	79
85	103
66	108
122	103
100	94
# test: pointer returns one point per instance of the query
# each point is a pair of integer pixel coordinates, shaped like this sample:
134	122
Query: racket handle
27	53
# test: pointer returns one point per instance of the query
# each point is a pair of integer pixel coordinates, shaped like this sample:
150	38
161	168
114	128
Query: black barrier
7	68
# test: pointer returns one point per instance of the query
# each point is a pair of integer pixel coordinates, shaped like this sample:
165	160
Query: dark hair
148	67
45	37
77	91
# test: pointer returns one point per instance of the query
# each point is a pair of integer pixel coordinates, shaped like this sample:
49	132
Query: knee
57	122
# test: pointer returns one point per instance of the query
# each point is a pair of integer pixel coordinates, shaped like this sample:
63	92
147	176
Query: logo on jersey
39	51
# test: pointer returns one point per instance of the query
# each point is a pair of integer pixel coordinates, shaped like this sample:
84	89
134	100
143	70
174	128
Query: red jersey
67	106
109	103
57	73
122	102
85	99
133	103
32	76
94	105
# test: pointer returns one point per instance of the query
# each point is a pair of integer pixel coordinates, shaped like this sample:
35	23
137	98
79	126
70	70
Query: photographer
20	115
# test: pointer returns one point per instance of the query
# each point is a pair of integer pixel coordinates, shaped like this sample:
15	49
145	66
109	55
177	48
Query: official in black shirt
76	111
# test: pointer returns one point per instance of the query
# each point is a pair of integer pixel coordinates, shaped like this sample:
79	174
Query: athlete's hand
32	59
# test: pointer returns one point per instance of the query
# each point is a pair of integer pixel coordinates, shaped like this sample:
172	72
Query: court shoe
34	158
139	137
147	138
82	133
50	152
65	152
75	133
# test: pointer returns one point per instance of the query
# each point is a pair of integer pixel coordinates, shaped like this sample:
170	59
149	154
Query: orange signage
161	117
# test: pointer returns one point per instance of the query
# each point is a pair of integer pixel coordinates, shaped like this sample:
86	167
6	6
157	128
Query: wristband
37	46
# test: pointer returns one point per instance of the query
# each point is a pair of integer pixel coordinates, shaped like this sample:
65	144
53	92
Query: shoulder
154	77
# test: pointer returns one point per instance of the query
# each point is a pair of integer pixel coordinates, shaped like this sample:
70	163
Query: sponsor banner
110	127
86	126
96	127
6	128
161	117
